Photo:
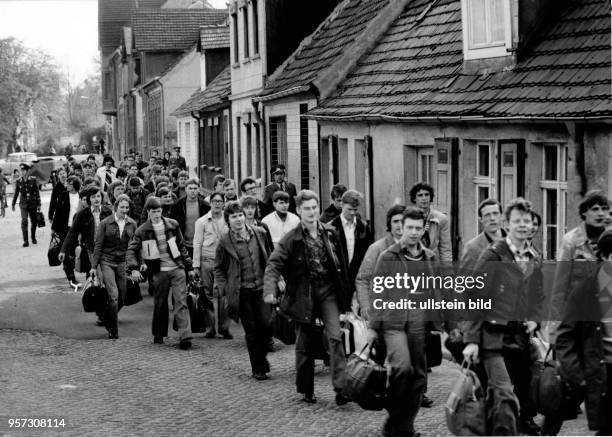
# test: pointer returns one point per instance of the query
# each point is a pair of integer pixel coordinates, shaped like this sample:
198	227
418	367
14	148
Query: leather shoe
227	335
309	398
260	376
426	402
529	427
341	400
25	244
185	344
113	336
34	241
158	339
210	334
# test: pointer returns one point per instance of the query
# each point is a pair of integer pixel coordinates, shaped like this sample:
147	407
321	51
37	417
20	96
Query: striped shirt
167	263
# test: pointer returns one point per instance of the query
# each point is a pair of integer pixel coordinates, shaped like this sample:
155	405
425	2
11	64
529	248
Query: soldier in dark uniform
26	189
279	184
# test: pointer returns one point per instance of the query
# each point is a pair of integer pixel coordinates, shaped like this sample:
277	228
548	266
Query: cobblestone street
55	363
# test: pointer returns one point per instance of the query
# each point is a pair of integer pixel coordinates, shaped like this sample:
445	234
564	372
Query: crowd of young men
150	221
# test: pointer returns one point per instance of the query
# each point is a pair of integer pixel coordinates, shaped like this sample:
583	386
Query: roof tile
216	94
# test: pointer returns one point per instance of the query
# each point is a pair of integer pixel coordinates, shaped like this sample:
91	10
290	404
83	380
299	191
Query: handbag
54	251
40	219
132	294
95	297
366	381
465	409
546	385
283	328
197	311
354	333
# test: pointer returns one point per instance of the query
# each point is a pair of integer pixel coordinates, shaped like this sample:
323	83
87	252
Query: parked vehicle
13	161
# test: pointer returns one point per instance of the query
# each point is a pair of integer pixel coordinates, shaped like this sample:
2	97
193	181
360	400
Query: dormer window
487	28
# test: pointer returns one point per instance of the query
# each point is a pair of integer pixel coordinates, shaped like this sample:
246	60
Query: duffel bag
95	297
197	313
366	381
465	408
54	251
546	386
132	293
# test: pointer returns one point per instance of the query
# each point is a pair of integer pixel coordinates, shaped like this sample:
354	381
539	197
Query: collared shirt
74	206
316	255
121	224
244	235
96	215
349	234
408	254
522	257
278	228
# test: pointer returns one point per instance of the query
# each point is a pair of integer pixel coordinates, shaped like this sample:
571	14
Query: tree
29	82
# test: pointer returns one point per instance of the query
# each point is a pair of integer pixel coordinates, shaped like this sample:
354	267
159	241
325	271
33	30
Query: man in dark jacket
26	189
279	184
500	337
584	342
311	262
334	210
59	187
158	246
403	332
188	209
355	235
240	262
138	195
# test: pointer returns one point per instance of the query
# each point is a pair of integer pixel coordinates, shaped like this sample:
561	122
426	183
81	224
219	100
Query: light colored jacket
439	235
206	238
364	275
576	260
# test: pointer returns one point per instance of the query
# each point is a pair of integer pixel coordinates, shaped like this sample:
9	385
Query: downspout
262	138
198	119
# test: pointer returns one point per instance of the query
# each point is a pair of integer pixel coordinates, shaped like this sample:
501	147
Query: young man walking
188	209
311	262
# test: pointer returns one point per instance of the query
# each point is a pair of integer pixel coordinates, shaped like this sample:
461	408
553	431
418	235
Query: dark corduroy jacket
83	224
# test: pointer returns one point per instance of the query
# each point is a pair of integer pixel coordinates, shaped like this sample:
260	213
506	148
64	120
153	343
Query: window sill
246	61
255	57
236	65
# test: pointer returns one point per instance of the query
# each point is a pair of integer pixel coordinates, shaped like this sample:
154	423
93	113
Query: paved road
56	363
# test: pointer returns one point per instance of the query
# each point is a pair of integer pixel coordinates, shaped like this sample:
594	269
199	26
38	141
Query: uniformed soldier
26	189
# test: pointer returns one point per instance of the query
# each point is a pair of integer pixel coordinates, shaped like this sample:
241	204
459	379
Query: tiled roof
324	46
215	37
184	4
172	29
415	71
113	15
215	95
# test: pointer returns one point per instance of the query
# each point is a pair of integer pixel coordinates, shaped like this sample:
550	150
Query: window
485	171
249	150
255	27
238	147
235	32
487	28
278	140
554	195
304	157
180	133
425	165
245	21
108	93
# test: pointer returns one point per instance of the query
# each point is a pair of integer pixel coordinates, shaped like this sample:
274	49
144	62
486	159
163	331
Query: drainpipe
262	135
196	115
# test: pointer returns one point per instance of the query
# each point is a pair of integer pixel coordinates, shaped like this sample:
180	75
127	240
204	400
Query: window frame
486	50
559	185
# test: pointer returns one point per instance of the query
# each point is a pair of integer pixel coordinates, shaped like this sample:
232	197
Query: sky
66	29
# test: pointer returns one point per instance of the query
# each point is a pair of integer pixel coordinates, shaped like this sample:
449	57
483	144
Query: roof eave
459	118
284	93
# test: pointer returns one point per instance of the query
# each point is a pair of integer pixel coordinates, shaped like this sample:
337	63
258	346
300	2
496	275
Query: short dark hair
162	191
86	165
232	207
152	202
175	173
338	190
304	196
183	174
193	181
280	195
352	197
121	173
520	204
245	181
421	186
246	201
537	217
77	166
216	194
228	182
88	191
487	202
592	198
75	181
134	182
108	158
414	213
394	210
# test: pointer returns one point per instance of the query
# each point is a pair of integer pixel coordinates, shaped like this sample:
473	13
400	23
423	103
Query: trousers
173	281
255	317
219	311
25	213
326	307
114	279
